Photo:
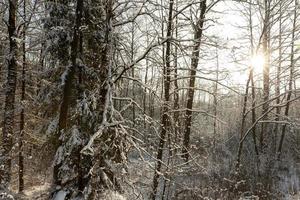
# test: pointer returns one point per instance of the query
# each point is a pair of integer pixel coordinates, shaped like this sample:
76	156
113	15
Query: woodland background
149	99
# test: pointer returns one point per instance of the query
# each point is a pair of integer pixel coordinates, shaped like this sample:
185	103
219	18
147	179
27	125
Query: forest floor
137	182
38	192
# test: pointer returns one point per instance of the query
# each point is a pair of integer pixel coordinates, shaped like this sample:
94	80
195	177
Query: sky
228	27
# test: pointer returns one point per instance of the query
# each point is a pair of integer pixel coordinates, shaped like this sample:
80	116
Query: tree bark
194	64
22	114
289	95
9	113
68	86
253	109
266	72
215	110
133	71
176	87
253	113
278	72
165	115
245	100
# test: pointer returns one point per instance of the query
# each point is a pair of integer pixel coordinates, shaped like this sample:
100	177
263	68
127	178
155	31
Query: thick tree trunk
194	64
68	85
8	125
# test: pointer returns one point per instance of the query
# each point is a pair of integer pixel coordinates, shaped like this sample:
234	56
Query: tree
278	72
291	77
69	81
9	113
198	31
22	114
123	89
165	119
266	71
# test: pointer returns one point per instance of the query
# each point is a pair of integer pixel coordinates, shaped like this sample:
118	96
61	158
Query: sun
257	62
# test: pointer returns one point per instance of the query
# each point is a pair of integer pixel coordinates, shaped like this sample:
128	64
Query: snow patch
64	76
61	195
6	196
52	127
112	195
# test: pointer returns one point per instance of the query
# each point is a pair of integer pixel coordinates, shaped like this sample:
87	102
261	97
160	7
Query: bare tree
198	31
291	78
266	71
278	73
165	119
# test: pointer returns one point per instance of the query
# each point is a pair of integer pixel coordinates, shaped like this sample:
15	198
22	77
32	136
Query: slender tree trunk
278	72
22	115
176	87
250	79
266	72
194	64
215	125
253	112
41	68
145	94
240	148
151	96
147	130
165	121
9	113
167	181
253	109
81	173
243	123
292	66
133	72
167	176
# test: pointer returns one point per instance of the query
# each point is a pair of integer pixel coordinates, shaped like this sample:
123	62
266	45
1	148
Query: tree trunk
165	115
292	66
194	64
253	109
253	113
145	95
215	125
176	87
8	125
133	71
278	72
22	115
243	123
253	117
68	85
266	72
